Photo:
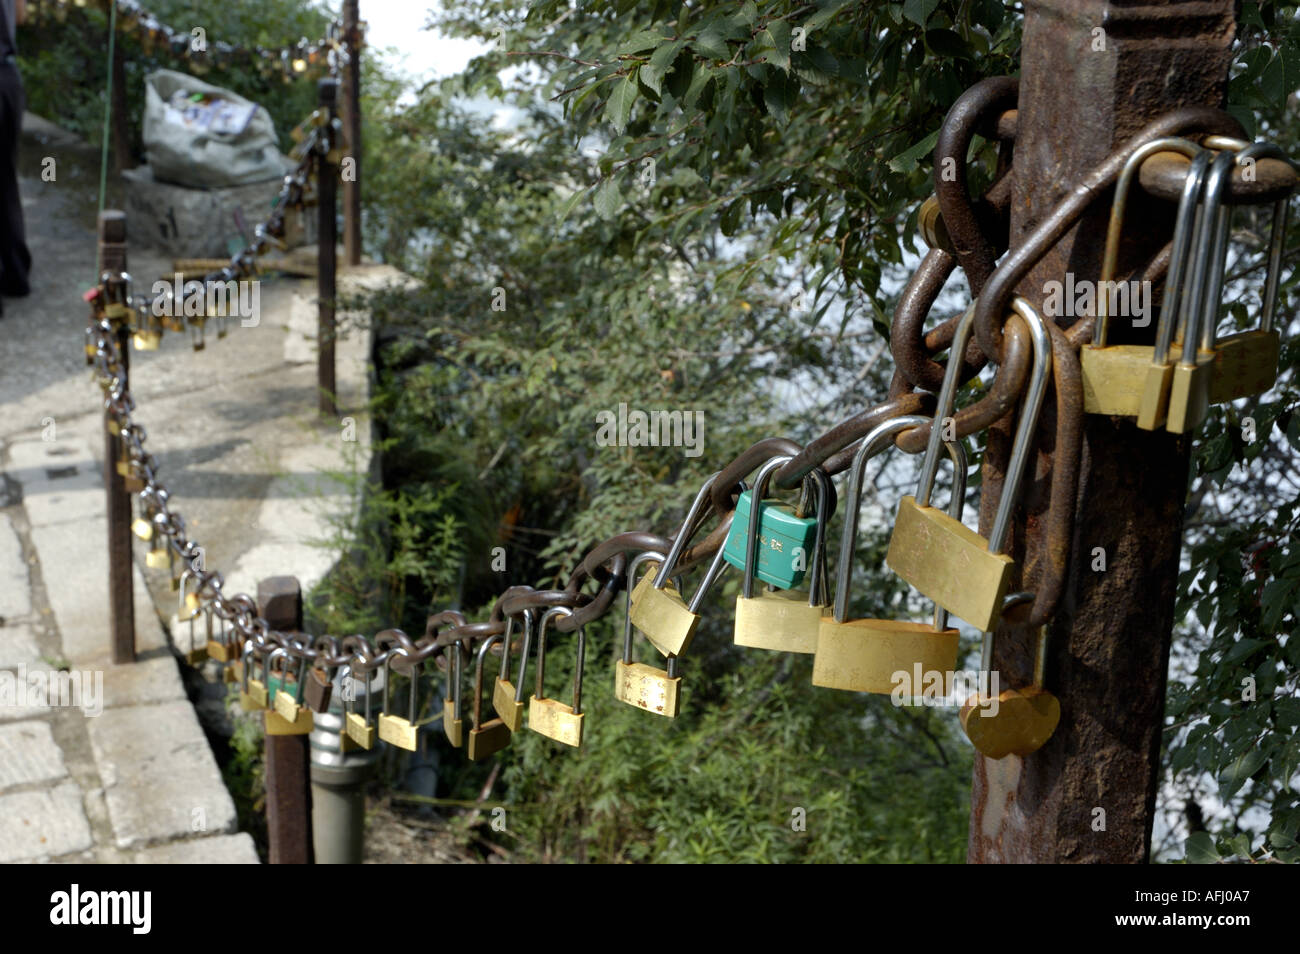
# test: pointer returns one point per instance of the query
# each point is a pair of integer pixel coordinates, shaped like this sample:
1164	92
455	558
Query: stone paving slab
160	779
15	582
28	754
18	646
62	481
38	825
237	849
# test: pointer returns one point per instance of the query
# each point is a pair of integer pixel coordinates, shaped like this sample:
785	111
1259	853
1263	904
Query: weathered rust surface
1109	647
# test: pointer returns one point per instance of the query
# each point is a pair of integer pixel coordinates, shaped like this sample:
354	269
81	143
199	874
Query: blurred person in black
15	259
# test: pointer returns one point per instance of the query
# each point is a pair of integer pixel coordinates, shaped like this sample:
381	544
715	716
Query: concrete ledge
235	849
40	825
160	779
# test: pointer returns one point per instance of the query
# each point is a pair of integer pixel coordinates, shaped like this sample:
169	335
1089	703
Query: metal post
352	127
121	600
327	238
288	781
1089	794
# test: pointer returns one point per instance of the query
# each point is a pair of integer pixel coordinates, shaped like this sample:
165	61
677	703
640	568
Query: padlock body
219	651
452	727
146	340
278	724
785	542
1114	378
159	559
662	615
555	720
492	738
1245	364
318	691
197	655
284	704
645	687
949	563
1154	409
357	730
1189	394
779	620
257	695
864	655
397	731
507	707
1024	721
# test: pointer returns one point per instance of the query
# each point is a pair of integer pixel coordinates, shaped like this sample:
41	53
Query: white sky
398	24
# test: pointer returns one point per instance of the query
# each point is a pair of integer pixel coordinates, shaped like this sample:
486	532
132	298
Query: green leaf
824	15
609	201
907	160
1200	849
661	60
637	42
712	43
778	32
619	106
947	43
570	203
918	11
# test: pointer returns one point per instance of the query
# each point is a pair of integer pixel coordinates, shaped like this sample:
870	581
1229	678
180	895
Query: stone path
129	776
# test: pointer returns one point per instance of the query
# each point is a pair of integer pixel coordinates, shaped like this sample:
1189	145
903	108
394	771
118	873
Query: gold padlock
485	738
287	715
453	719
159	556
1180	292
508	697
1245	363
1017	721
658	610
357	730
636	684
1115	377
944	559
550	717
253	695
784	620
867	655
396	730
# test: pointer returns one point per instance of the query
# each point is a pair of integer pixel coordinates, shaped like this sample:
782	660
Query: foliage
59	43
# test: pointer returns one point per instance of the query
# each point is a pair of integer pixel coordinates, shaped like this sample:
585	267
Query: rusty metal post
1089	794
352	128
121	600
327	239
288	757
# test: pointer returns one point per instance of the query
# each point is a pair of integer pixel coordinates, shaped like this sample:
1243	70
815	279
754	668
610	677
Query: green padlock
785	542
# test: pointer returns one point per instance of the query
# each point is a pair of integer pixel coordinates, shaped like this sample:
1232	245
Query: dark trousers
15	259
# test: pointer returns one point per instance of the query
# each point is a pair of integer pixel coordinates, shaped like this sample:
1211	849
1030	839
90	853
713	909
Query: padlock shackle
388	678
646	557
1110	257
540	692
1036	388
478	679
763	478
1177	301
1216	189
882	438
986	641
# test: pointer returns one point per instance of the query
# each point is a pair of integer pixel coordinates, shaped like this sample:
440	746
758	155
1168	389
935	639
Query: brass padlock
1019	721
252	695
187	609
637	684
287	715
453	718
550	717
485	738
148	331
942	557
508	697
1189	386
867	655
1245	363
393	729
159	556
784	620
658	610
357	730
1115	377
